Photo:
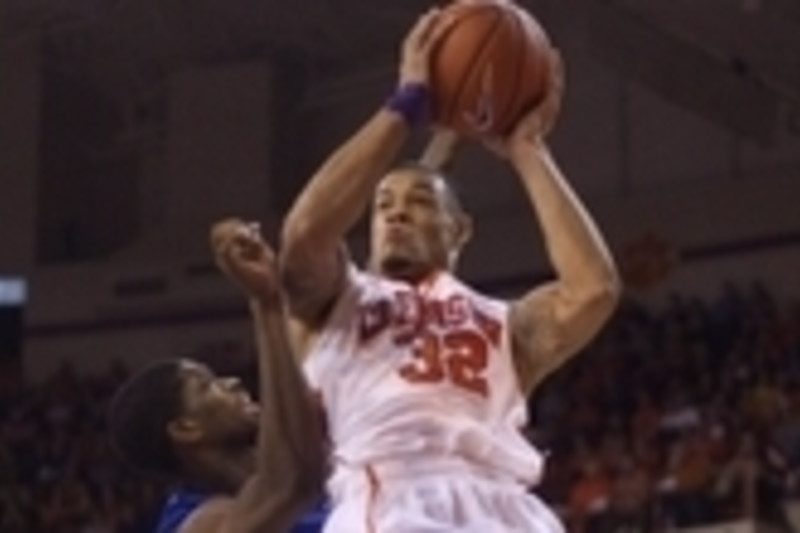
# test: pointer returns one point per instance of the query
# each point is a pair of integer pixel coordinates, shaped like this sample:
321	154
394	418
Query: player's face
219	408
414	229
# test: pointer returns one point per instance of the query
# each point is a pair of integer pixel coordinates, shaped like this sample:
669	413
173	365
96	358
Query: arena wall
723	206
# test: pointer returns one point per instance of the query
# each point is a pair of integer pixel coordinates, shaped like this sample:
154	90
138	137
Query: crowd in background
675	416
57	471
682	416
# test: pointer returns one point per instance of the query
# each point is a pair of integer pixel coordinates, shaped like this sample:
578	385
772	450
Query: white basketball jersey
411	371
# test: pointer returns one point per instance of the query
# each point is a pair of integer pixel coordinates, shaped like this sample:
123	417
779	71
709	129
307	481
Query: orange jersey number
460	356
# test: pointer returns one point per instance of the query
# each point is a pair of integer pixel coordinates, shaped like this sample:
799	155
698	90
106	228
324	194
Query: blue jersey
182	503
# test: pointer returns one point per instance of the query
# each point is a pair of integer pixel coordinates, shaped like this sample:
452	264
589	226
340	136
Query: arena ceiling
124	48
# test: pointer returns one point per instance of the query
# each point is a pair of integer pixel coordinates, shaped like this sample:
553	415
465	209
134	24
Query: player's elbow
311	267
299	252
602	296
611	288
599	285
299	236
305	245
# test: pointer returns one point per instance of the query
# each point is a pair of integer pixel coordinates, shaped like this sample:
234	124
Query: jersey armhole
320	360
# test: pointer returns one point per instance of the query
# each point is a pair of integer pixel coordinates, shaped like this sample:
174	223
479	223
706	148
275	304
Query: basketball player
423	379
241	468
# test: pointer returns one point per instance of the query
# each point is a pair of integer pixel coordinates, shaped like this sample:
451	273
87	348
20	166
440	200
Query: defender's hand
241	253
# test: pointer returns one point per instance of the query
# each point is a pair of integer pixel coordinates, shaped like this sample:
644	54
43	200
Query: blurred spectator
590	493
58	474
629	508
692	413
673	417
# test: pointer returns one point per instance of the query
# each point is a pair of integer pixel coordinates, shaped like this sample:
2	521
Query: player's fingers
233	249
223	262
223	246
413	35
423	28
442	24
557	73
222	230
246	250
250	244
248	233
555	90
255	229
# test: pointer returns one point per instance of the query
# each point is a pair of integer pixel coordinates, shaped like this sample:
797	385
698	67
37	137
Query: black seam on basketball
490	35
436	104
451	29
522	52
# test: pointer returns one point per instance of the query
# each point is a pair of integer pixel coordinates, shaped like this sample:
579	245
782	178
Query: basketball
489	68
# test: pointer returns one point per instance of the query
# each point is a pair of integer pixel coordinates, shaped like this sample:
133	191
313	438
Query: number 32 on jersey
459	356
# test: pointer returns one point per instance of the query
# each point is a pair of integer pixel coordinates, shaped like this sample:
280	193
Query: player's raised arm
439	154
290	461
338	194
555	321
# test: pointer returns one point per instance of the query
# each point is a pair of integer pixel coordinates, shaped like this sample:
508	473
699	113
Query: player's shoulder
209	517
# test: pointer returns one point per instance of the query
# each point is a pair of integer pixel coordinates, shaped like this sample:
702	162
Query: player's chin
395	263
251	412
246	434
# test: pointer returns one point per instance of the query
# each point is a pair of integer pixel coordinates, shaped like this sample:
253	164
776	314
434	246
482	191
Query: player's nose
397	214
232	383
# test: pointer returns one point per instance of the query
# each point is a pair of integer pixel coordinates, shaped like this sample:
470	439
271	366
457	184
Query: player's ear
462	229
184	430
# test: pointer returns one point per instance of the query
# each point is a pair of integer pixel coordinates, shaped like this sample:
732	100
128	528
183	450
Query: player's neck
416	277
220	471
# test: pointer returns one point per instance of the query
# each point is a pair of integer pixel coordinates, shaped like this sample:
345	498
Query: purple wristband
410	101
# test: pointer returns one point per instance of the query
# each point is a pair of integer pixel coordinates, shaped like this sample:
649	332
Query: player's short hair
139	414
453	194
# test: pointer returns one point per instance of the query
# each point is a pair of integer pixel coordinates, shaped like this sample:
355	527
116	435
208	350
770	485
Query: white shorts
405	499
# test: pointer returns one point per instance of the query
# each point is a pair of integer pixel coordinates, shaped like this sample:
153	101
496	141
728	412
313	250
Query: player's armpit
276	513
277	510
208	518
550	324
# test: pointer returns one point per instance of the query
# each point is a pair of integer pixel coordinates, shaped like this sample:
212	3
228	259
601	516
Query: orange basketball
489	68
